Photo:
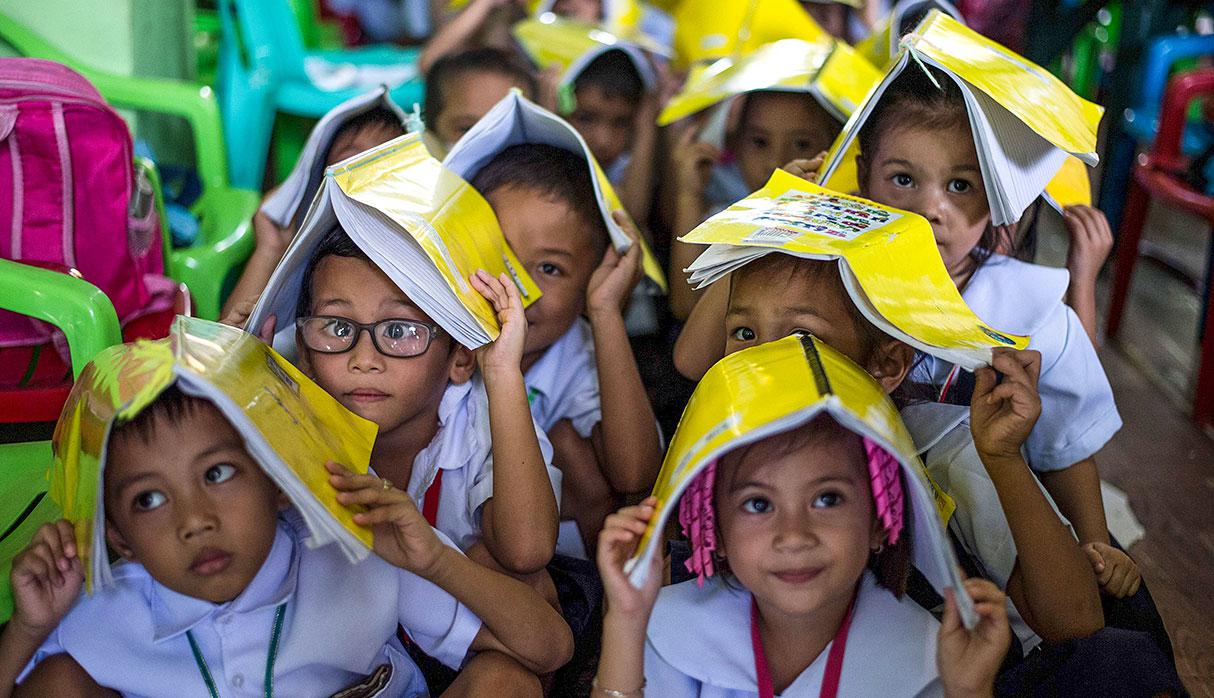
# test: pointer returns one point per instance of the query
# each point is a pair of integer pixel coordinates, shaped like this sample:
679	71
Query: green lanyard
271	655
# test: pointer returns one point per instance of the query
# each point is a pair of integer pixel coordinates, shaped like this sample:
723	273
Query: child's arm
1076	490
271	244
455	35
1091	241
46	579
516	620
622	660
968	660
636	188
519	522
628	444
702	341
693	161
1052	583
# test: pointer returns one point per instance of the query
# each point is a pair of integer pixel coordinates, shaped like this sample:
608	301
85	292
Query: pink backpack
66	183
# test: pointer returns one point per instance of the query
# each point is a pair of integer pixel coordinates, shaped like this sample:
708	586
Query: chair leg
1128	238
1203	395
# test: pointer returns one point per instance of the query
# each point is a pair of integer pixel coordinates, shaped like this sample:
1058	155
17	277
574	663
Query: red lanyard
834	660
430	502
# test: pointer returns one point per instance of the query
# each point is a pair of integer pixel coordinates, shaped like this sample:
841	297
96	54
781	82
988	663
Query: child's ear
117	542
877	536
890	362
282	500
461	364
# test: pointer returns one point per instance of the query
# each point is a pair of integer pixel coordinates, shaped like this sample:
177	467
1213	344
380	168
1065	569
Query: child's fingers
266	331
510	290
1116	580
984	382
951	622
46	562
384	515
621	218
1095	558
67	537
372	496
1133	589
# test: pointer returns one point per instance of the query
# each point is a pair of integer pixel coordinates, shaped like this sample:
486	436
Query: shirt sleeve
49	648
1078	414
662	679
443	627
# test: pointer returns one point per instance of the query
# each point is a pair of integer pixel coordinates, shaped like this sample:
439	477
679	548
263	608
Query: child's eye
757	505
803	144
743	334
959	186
549	269
827	500
147	501
902	180
337	327
758	141
219	473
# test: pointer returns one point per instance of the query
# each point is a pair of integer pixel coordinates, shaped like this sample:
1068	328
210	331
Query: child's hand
548	87
1116	572
506	352
401	535
616	276
46	579
969	659
617	542
1091	241
271	239
806	169
239	317
1001	416
693	161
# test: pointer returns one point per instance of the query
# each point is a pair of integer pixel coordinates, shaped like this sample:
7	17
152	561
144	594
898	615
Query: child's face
555	246
935	174
605	122
580	10
389	391
765	307
467	98
191	505
796	521
780	127
352	143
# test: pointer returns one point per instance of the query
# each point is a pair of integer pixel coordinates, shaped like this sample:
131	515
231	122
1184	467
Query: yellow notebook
776	387
706	31
290	426
831	71
887	258
420	223
516	120
881	44
550	40
1025	121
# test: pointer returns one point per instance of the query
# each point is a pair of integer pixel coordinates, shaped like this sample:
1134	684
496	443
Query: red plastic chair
1159	175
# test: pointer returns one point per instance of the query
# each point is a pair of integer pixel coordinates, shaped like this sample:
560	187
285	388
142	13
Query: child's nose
364	356
793	531
196	520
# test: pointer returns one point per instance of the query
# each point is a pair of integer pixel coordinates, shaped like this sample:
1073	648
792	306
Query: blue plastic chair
1162	56
261	73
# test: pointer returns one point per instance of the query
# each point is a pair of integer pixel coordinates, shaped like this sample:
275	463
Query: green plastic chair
88	321
211	265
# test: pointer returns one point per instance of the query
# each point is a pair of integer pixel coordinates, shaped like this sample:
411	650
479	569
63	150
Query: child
774	128
917	153
218	583
464	448
584	386
801	540
462	87
362	132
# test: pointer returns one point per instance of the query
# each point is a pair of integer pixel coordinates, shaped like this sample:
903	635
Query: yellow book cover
887	258
706	31
775	387
516	120
290	426
550	40
831	71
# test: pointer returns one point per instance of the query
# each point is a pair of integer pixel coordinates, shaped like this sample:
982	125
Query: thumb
951	621
1095	556
266	331
984	383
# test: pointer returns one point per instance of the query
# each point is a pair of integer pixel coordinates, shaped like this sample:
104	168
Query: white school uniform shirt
943	438
463	449
698	644
339	626
1078	414
564	382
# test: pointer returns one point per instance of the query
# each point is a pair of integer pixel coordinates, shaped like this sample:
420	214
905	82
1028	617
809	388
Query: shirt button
238	680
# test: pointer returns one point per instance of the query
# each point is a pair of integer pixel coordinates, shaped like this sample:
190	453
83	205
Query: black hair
376	117
171	404
335	243
891	563
614	74
913	99
478	60
551	172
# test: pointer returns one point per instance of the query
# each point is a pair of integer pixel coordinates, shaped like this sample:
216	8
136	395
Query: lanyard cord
271	655
834	660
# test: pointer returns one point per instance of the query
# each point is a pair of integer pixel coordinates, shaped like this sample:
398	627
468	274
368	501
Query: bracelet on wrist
612	693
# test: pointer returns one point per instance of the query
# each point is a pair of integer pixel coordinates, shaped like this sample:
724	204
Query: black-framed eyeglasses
395	337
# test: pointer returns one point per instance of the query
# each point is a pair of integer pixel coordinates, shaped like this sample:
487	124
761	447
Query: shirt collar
174	613
459	434
929	422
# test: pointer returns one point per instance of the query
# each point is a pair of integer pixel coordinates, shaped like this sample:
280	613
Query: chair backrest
269	31
1183	89
1162	54
66	189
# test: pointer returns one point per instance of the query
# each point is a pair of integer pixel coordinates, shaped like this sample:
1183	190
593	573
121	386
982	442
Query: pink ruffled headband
698	518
